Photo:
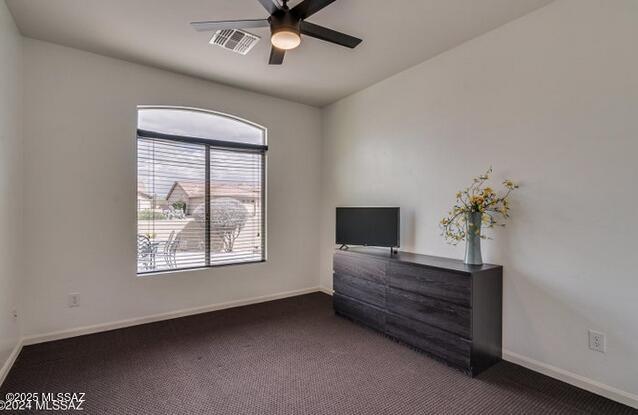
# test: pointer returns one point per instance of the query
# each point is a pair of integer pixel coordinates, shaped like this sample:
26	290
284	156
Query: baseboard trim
80	331
326	290
8	364
582	382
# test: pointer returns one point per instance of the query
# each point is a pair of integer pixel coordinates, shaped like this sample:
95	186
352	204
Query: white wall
80	124
550	100
11	180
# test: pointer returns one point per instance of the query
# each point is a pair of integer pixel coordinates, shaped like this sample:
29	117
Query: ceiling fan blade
276	56
307	8
329	35
229	24
269	5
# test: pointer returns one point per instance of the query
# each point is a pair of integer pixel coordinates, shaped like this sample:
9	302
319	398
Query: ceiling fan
286	27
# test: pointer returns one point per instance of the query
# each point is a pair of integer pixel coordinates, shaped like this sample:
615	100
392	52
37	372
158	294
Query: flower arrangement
478	198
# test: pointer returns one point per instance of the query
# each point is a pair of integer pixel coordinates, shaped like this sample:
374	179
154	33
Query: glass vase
473	238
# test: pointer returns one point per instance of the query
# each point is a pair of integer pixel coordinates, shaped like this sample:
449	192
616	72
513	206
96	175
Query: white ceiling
396	35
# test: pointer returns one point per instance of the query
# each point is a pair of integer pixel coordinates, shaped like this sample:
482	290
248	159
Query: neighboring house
192	194
144	200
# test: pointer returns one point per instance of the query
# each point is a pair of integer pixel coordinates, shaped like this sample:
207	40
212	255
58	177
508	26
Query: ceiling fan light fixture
286	26
285	39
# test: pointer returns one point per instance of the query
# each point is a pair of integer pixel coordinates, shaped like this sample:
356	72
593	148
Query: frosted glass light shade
285	39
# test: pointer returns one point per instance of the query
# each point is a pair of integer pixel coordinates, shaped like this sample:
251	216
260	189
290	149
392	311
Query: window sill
180	270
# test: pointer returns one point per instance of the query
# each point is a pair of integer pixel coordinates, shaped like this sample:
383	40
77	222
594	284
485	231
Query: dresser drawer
446	346
362	266
442	314
456	288
360	289
361	312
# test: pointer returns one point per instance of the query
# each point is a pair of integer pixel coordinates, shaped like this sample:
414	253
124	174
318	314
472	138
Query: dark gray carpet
291	356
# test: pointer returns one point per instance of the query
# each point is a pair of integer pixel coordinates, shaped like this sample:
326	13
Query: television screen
370	226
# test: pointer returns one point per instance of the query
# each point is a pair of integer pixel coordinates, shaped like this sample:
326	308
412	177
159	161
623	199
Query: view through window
200	190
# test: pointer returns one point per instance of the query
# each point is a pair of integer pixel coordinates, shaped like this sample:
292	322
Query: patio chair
145	252
171	259
170	249
167	245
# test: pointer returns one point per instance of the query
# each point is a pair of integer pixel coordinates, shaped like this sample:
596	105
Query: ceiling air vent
235	40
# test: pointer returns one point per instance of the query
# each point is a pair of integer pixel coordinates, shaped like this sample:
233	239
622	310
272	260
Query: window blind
200	202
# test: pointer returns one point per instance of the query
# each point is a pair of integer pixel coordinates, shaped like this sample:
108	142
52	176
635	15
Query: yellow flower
488	191
510	184
477	200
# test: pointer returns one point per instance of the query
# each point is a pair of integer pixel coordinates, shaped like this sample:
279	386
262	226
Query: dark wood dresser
440	306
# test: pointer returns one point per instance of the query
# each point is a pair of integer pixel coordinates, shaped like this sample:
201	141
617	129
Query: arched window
200	190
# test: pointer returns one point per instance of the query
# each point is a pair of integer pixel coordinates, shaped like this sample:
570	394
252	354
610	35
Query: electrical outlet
597	341
74	299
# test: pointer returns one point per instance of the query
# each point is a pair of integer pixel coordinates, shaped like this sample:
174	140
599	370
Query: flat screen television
368	226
